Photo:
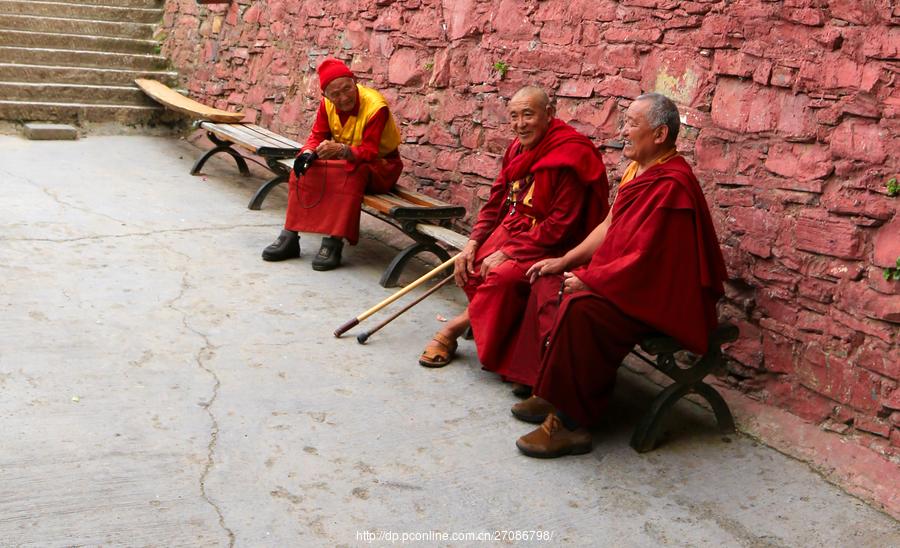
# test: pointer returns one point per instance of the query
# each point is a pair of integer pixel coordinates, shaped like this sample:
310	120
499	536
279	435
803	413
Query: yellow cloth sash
632	169
370	102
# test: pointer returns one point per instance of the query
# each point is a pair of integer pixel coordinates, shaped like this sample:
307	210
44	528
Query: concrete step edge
84	6
79	105
86	87
111	54
146	41
167	73
77	20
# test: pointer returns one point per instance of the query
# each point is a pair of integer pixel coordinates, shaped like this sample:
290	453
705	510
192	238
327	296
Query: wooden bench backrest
254	138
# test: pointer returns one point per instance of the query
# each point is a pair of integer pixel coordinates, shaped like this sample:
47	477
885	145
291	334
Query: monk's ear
661	134
551	110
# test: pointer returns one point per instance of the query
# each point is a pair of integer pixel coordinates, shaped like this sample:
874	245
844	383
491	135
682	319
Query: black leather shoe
286	246
329	255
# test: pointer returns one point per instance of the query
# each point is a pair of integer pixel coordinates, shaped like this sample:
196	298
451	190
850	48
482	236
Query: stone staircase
75	61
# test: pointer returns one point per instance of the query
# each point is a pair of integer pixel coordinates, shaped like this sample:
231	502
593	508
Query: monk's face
342	92
529	118
642	142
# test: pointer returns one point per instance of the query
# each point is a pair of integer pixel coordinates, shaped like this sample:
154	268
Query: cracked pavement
163	386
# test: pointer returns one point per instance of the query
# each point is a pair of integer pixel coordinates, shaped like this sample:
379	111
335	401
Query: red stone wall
792	119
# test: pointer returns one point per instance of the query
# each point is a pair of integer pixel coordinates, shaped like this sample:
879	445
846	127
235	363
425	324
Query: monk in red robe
551	191
656	267
352	149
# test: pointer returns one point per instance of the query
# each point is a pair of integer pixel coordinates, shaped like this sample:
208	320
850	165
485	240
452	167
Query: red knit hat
329	69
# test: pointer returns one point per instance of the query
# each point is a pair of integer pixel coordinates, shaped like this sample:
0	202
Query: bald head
533	94
530	113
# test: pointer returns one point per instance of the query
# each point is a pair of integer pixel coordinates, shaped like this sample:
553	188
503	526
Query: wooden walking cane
363	337
355	321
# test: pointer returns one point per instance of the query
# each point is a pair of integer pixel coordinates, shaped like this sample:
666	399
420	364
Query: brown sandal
439	352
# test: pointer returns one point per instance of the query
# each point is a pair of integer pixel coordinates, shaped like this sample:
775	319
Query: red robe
660	269
327	199
570	197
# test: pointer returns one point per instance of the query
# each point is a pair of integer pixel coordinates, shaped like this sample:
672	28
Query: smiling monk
551	191
355	130
655	267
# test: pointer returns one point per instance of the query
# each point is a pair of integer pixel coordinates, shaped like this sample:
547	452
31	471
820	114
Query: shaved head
533	93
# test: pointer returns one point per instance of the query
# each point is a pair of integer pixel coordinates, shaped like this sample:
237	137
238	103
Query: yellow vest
370	102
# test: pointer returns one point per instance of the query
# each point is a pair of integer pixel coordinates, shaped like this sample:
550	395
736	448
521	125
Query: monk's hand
573	284
464	265
329	150
491	262
546	267
302	162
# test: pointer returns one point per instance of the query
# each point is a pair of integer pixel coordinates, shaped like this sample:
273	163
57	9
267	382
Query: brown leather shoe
520	390
553	440
533	410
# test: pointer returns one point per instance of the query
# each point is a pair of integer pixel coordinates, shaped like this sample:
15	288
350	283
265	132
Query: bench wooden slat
420	199
275	137
246	132
443	235
228	133
244	137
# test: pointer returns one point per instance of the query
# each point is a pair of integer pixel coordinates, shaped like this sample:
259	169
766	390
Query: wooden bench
257	140
425	219
687	380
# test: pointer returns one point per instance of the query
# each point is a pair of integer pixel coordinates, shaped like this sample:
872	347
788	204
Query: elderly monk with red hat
551	191
654	267
355	132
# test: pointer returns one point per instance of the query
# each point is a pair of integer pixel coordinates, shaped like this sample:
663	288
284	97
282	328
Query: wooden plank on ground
171	99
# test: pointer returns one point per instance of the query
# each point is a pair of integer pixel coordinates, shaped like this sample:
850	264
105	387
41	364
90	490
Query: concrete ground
163	386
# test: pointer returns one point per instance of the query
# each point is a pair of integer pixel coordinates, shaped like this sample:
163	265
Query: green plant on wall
501	67
893	187
429	65
892	273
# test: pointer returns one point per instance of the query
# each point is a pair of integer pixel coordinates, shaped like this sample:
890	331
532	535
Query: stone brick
829	236
674	74
404	68
879	427
510	21
628	35
615	86
576	88
779	352
843	200
713	154
734	63
887	245
859	139
485	165
800	161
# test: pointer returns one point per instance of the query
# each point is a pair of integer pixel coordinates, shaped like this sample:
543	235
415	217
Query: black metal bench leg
393	271
263	191
239	160
647	431
723	415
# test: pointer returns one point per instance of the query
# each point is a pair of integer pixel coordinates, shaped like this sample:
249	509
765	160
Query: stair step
77	26
76	41
13	72
80	11
38	111
67	57
74	93
147	4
